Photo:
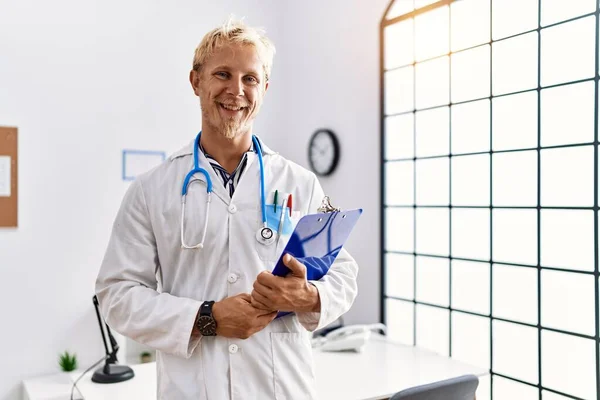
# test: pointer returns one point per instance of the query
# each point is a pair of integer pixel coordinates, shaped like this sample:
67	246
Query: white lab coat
150	289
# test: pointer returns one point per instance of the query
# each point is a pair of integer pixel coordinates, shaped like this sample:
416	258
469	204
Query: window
490	189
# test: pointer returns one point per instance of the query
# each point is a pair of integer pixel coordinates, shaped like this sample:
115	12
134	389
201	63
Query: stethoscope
264	234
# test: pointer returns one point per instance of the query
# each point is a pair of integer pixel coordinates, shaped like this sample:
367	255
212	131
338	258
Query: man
209	311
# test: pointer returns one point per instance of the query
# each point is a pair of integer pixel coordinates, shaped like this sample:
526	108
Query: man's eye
251	79
222	74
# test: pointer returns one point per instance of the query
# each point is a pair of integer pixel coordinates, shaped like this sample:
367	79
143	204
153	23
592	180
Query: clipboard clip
326	206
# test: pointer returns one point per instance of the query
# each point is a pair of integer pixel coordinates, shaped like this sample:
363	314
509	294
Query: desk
381	370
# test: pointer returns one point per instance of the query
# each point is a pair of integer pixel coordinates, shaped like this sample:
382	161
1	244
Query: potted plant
146	357
67	361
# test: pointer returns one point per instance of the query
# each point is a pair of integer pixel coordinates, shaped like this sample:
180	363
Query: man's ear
194	81
266	86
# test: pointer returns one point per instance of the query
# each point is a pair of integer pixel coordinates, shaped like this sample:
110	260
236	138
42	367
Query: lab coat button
233	348
232	208
232	278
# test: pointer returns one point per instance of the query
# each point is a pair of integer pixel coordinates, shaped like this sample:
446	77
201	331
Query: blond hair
235	32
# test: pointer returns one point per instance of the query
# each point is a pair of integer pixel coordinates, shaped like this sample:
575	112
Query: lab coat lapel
248	186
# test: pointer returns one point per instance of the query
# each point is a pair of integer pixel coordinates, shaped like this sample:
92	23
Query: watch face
207	325
323	152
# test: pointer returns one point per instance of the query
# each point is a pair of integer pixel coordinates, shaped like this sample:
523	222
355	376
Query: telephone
353	337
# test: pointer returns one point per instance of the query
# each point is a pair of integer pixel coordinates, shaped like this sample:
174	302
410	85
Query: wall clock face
323	152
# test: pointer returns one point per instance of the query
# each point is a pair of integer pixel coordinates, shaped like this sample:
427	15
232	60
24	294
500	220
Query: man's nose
235	87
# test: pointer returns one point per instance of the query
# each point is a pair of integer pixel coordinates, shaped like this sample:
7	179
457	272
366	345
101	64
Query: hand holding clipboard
317	241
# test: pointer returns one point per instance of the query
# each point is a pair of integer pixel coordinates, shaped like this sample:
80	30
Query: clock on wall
323	152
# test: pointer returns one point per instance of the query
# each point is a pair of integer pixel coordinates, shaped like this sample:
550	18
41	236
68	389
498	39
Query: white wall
83	80
331	79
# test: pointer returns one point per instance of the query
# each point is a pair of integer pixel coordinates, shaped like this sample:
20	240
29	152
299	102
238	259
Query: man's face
231	86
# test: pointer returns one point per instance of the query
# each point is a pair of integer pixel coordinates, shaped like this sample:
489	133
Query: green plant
145	357
67	361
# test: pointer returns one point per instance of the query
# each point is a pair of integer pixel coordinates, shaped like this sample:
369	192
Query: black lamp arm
110	373
97	307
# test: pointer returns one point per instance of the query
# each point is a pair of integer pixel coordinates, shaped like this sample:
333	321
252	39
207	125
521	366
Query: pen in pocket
289	204
281	218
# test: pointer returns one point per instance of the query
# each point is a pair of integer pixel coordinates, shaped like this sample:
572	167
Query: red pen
289	204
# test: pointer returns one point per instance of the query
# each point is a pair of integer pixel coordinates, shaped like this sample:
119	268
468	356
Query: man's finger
262	289
259	304
267	279
298	269
262	299
244	296
266	318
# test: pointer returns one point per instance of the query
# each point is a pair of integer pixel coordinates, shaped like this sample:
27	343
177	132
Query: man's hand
237	318
290	293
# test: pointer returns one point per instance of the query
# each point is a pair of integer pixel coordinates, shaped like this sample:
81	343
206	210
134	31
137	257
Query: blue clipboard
316	242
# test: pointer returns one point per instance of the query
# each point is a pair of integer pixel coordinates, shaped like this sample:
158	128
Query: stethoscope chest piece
265	235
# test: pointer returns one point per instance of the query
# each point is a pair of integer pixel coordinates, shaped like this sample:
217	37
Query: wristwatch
206	323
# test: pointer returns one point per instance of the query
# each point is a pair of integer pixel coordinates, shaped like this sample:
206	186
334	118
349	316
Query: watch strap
206	308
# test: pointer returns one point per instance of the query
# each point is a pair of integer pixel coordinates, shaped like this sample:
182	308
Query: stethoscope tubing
264	232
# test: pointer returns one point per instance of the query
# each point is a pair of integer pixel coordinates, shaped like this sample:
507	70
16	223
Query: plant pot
146	358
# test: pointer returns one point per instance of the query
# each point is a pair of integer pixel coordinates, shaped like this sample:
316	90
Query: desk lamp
111	372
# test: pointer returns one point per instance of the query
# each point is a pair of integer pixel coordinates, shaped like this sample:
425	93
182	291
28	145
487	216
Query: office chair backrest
460	388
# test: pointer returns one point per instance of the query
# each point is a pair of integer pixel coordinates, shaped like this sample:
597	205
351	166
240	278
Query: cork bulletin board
8	177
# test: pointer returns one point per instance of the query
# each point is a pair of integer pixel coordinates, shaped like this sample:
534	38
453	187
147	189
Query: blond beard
231	129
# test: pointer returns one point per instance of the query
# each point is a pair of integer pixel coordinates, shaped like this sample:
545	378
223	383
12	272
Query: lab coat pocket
282	224
288	228
293	366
